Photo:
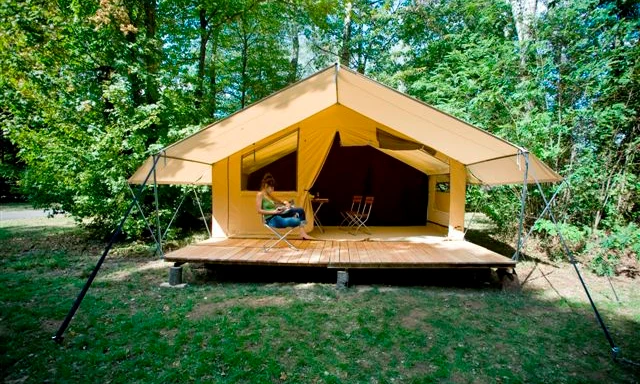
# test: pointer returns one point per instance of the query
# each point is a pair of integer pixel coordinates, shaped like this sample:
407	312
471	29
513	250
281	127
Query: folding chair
347	220
359	219
278	236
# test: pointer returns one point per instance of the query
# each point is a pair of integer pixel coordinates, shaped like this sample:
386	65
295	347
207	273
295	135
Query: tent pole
547	206
615	350
153	235
202	213
155	193
58	337
523	199
166	230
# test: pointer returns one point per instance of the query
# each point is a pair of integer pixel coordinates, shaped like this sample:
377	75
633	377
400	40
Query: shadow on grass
484	239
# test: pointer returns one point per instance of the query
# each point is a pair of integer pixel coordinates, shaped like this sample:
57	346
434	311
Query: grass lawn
229	327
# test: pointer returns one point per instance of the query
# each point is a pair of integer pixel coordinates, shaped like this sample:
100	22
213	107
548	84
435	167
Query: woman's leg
284	222
295	212
300	213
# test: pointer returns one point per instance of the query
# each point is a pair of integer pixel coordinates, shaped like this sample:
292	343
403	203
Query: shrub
574	236
611	248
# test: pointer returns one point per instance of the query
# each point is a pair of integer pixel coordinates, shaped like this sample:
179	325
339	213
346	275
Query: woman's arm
264	211
286	204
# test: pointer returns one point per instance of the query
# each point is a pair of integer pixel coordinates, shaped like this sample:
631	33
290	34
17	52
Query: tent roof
489	159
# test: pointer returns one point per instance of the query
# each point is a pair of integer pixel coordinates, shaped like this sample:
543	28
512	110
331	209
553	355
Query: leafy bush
500	204
574	236
613	247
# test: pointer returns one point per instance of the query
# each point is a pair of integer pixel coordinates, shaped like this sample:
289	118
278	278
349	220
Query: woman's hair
268	181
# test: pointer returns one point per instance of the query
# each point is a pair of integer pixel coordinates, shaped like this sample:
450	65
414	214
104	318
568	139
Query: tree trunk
295	54
362	59
152	59
345	51
204	39
243	73
524	13
213	75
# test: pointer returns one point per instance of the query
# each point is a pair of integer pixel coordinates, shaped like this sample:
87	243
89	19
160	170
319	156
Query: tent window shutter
278	157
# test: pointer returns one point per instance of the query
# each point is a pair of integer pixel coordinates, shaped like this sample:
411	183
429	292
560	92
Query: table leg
316	221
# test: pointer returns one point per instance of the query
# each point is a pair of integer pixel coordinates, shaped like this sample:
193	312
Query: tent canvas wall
301	122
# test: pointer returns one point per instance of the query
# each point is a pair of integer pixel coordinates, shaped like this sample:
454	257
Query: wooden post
457	195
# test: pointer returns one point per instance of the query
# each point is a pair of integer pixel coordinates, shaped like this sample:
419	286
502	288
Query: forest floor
266	325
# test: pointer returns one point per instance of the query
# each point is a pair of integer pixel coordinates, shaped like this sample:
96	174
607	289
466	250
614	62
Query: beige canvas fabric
306	117
358	107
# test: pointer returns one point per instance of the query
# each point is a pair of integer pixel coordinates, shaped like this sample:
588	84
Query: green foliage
621	244
500	204
570	233
574	237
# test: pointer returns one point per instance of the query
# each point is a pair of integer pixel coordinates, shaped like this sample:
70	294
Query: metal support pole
155	192
615	351
76	304
547	206
153	235
523	199
202	213
166	230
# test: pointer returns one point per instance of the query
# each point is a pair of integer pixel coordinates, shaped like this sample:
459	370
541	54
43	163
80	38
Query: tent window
442	187
278	157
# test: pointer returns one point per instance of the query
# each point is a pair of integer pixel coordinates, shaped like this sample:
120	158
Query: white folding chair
360	218
278	236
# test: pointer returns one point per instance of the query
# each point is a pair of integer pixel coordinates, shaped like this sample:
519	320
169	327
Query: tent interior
400	190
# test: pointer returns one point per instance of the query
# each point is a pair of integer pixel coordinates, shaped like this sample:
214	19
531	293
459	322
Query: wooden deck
343	254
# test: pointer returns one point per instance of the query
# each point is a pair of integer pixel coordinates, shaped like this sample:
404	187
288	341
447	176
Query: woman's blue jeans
292	218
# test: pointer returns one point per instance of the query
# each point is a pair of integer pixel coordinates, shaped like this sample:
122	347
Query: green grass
239	329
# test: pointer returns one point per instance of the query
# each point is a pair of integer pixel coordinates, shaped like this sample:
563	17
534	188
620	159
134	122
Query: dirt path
22	214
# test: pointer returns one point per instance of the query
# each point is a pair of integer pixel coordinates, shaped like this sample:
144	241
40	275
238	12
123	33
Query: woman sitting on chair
278	213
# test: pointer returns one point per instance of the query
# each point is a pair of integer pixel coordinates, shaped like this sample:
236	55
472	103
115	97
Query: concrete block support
509	280
343	279
175	275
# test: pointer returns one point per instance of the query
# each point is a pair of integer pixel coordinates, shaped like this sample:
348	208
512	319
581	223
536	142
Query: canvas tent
296	128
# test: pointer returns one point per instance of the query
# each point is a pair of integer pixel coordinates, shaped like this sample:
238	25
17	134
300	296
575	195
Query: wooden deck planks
342	254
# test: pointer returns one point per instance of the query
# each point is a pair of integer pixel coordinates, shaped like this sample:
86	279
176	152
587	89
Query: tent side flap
510	170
